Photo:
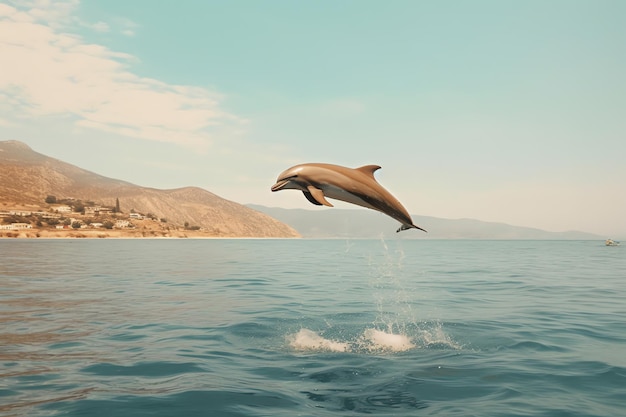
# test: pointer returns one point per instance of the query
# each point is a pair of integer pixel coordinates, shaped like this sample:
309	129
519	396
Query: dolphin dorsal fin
368	169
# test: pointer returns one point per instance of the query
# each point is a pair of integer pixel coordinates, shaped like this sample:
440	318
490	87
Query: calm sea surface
312	328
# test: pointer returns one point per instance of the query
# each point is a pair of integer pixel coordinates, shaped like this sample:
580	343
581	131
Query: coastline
36	233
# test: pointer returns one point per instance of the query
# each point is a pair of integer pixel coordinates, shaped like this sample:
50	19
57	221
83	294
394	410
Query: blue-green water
312	328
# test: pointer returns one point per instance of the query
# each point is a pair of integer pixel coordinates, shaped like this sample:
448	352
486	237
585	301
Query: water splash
374	340
432	336
395	327
371	340
308	340
393	300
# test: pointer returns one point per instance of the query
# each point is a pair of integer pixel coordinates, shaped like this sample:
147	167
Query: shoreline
121	234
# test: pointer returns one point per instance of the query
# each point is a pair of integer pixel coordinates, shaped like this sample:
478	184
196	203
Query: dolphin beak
279	185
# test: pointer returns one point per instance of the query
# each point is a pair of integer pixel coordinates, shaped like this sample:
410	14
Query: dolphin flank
357	186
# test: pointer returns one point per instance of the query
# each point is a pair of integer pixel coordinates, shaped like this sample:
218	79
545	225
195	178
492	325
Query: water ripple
226	328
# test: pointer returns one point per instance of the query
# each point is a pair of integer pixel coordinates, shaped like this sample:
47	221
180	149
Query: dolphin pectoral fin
318	195
310	198
368	170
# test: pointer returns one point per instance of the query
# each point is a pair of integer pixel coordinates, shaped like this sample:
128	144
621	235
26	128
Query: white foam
307	339
378	340
373	341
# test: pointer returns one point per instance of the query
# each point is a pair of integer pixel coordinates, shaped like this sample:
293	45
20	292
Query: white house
21	213
120	224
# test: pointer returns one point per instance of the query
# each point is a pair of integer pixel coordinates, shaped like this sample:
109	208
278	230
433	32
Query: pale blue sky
511	111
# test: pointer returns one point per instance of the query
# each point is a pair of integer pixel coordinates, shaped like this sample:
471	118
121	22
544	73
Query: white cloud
100	27
48	71
126	26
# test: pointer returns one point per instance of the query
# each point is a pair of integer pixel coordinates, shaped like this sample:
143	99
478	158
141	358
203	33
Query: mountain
28	177
363	223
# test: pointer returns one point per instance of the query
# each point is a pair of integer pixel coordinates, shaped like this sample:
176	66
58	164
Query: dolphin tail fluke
409	226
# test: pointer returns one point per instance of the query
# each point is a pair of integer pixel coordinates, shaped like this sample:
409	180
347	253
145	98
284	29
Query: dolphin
357	186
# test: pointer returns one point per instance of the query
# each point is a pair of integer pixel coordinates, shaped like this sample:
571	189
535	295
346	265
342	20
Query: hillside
28	177
363	223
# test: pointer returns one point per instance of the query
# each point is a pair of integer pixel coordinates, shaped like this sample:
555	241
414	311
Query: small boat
611	242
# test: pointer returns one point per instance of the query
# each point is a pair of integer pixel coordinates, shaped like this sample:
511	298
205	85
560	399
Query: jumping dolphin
357	186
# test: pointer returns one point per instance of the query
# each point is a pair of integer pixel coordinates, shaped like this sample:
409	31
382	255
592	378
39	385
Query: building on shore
15	226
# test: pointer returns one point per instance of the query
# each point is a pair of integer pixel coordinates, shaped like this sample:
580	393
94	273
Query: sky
497	110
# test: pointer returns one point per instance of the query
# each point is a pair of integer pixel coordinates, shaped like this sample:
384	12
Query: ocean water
312	328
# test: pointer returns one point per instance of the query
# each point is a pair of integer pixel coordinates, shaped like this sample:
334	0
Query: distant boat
611	242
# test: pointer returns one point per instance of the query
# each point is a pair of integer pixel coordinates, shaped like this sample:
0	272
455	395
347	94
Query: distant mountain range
363	223
28	177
